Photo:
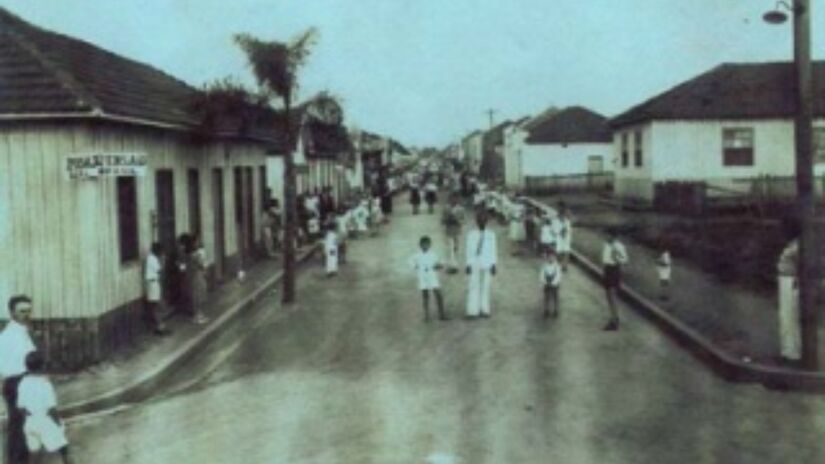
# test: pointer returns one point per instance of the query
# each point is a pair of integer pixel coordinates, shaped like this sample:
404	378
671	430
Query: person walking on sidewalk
480	259
331	250
36	398
664	269
267	232
614	256
565	239
547	236
430	195
453	219
550	278
15	345
152	269
787	267
415	198
426	264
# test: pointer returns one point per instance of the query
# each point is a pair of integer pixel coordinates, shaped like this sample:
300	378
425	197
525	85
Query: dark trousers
16	450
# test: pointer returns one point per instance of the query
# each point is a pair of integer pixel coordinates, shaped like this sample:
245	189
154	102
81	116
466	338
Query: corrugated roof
575	124
42	72
730	91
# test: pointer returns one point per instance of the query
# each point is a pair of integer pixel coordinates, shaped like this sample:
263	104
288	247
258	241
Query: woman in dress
196	277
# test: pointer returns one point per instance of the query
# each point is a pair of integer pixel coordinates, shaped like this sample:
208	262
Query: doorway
218	208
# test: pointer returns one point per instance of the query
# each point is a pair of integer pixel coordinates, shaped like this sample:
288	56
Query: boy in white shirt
565	238
550	277
37	400
426	264
614	256
331	251
547	236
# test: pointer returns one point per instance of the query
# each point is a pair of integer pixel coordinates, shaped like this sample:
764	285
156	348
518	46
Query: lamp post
803	131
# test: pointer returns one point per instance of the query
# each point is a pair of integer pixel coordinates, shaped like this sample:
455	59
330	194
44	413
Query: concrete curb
142	386
723	363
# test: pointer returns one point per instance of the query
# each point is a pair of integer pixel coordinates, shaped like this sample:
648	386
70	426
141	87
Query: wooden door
165	208
218	223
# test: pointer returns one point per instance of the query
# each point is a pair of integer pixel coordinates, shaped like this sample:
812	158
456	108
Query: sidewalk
736	325
131	373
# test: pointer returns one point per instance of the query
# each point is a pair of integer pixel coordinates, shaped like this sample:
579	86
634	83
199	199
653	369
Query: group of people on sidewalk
34	428
183	271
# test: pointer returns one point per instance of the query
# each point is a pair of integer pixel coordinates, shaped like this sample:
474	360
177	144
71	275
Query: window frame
738	157
127	218
625	149
638	149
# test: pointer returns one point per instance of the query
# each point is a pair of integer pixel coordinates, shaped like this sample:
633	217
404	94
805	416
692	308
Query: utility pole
490	113
805	183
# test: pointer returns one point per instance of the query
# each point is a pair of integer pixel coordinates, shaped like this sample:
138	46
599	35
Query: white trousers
478	296
452	255
790	339
332	262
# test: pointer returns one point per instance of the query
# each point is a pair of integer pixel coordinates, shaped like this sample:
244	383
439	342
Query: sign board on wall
95	165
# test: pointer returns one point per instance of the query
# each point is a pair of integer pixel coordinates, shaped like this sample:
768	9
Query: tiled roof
45	73
570	125
730	91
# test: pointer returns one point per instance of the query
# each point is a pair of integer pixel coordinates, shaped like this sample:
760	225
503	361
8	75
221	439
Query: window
737	147
625	151
127	219
819	145
637	148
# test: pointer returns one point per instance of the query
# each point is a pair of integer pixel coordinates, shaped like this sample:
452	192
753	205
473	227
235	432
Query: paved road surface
353	375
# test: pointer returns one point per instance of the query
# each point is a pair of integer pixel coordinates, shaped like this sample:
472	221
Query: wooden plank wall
60	237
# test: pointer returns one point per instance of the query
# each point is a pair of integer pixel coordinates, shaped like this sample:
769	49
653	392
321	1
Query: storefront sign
94	165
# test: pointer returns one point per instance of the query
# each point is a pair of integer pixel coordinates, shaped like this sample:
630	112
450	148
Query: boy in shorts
426	264
37	400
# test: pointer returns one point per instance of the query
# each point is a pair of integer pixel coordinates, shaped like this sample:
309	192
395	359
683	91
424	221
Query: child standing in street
342	225
550	277
331	251
614	256
663	268
547	236
426	264
37	399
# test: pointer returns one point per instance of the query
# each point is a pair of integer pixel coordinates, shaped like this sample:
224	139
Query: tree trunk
290	210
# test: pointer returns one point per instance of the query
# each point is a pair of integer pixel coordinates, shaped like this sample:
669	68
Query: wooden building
99	157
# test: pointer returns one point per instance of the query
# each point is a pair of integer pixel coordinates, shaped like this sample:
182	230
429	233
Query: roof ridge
83	96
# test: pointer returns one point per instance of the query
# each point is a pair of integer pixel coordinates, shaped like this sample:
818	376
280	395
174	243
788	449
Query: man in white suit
481	256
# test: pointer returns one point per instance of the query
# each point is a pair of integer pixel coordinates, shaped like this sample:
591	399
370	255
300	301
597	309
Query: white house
726	127
571	142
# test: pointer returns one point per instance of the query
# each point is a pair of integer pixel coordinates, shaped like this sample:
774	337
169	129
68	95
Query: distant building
472	148
492	161
574	141
725	127
99	157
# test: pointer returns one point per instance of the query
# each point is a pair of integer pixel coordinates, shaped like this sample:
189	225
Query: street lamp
803	132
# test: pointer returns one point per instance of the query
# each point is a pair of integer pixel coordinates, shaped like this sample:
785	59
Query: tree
275	66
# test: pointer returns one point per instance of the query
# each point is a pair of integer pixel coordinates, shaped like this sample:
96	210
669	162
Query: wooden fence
548	185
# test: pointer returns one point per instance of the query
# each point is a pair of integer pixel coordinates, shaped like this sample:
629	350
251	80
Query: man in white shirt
151	279
481	256
15	345
614	256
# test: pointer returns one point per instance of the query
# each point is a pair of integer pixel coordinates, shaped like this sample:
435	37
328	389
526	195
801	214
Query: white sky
424	71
